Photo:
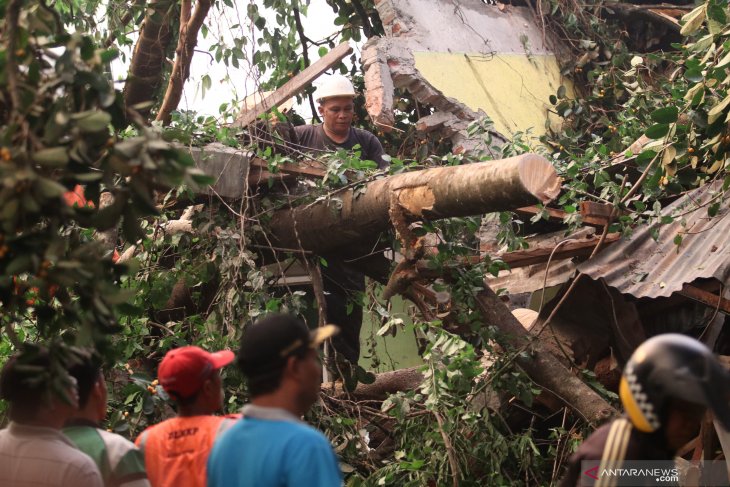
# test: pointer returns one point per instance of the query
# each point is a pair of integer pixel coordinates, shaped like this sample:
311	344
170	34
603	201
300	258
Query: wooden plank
706	297
259	176
521	258
295	85
598	211
559	215
303	168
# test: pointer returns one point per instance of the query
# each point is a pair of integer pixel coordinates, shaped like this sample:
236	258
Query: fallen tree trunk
540	365
386	383
353	215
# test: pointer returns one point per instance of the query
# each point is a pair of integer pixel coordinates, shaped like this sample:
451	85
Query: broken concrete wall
465	59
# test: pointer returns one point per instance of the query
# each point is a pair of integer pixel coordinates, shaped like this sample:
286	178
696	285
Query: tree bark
354	215
386	383
540	365
190	25
148	60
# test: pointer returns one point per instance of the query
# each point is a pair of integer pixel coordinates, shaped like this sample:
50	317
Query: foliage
65	125
677	99
62	127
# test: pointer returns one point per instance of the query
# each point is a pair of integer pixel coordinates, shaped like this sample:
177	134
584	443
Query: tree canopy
91	169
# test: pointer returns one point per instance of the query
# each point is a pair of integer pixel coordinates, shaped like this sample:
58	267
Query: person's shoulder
305	129
305	434
79	461
363	133
115	440
592	447
156	429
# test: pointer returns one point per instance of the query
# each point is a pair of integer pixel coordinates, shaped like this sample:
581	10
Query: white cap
335	85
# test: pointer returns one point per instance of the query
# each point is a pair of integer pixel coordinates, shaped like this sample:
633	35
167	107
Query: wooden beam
303	168
559	215
259	176
706	297
522	258
294	86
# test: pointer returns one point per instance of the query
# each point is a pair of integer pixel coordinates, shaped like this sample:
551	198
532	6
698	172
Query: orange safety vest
176	451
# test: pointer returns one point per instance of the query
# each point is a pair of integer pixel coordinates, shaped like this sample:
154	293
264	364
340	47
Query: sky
229	83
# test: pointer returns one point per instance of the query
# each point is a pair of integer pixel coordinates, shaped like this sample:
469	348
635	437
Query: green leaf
693	20
52	157
207	83
94	122
694	75
20	264
108	55
695	94
717	110
48	188
713	209
665	115
108	217
724	61
657	131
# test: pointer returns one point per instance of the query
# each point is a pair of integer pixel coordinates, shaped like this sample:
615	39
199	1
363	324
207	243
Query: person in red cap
176	450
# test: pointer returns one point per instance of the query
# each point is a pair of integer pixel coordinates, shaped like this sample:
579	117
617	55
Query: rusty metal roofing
647	267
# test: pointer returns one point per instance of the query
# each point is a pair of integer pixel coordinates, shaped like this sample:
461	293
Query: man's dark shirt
313	137
642	446
342	283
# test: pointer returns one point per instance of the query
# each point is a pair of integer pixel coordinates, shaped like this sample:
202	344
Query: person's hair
269	381
86	372
184	401
26	391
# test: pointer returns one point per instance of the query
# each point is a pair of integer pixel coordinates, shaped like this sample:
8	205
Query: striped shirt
120	462
32	456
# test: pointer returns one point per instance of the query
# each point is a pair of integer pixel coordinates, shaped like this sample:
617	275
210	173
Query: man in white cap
343	285
336	107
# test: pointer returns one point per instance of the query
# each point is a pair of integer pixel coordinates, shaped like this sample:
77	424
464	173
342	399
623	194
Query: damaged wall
465	59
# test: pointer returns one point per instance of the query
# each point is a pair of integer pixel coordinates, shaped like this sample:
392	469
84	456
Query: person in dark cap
33	451
176	450
667	385
271	446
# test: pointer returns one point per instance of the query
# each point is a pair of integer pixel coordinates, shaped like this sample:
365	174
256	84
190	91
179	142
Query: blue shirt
272	448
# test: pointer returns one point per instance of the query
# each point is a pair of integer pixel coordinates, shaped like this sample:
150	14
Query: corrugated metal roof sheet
645	267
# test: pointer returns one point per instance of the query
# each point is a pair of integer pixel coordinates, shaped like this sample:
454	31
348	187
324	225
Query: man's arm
373	150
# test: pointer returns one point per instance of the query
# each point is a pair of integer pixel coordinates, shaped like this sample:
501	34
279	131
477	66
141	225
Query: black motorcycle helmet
673	366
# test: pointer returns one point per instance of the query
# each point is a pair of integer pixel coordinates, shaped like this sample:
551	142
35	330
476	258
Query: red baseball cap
184	370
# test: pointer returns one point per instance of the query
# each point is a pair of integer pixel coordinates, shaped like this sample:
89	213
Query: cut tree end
539	177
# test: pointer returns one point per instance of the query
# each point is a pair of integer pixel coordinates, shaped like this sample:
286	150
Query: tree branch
367	28
12	17
123	22
189	27
148	59
305	54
